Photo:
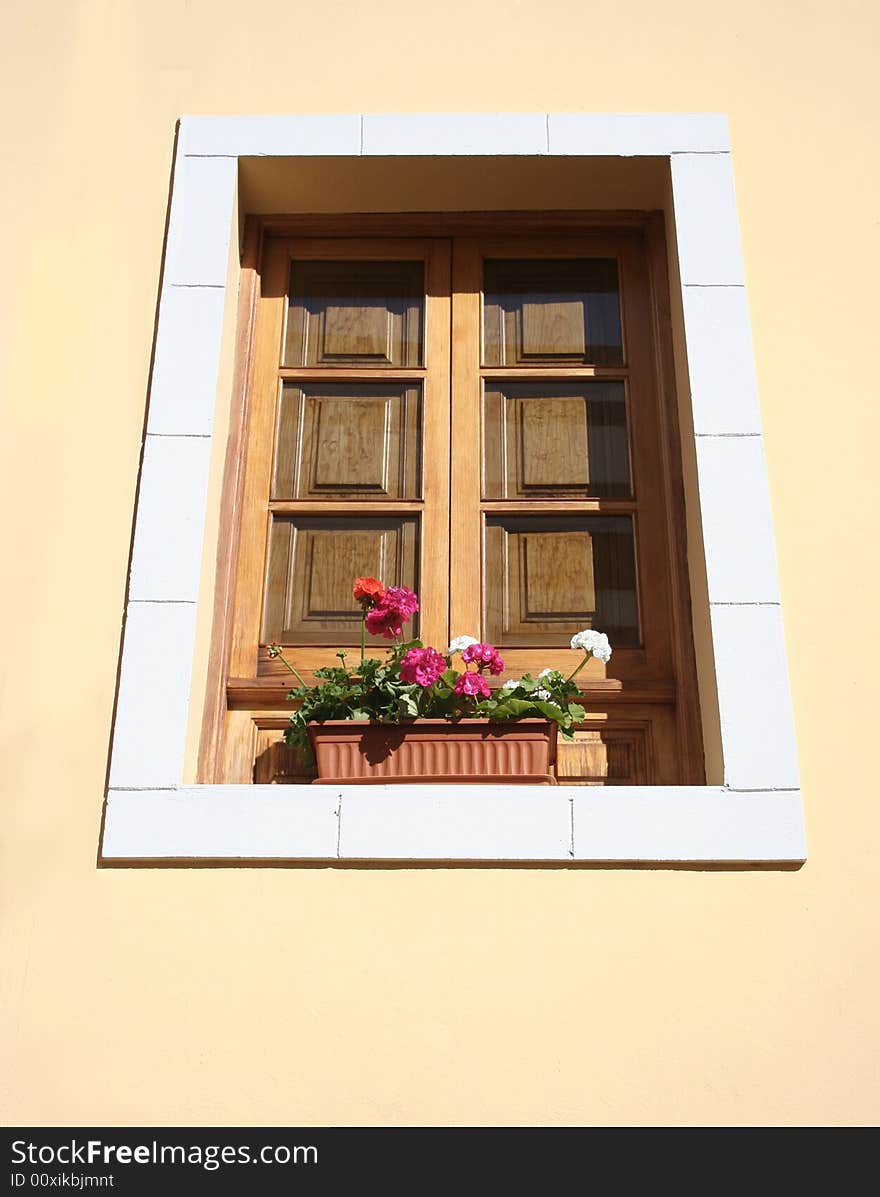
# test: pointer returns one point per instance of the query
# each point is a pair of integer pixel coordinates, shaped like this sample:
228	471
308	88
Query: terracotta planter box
434	750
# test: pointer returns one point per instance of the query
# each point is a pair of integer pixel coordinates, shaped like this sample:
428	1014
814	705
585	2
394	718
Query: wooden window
487	416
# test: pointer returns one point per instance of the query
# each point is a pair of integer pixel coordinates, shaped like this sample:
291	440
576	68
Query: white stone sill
454	824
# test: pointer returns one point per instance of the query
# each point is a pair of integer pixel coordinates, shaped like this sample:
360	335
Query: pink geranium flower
402	599
422	666
395	608
472	685
484	656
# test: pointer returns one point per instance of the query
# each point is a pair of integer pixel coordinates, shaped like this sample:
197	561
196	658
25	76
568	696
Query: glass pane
352	441
563	310
355	314
550	438
313	563
548	577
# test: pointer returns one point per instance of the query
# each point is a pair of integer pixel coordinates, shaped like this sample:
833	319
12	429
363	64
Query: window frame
245	700
754	816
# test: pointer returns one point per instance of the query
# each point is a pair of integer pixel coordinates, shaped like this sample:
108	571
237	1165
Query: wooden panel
364	313
553	327
610	756
254	750
356	330
313	563
555	439
553	444
548	577
556	576
337	441
554	310
275	763
238	746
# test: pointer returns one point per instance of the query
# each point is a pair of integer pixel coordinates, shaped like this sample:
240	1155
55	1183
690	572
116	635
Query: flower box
434	751
414	717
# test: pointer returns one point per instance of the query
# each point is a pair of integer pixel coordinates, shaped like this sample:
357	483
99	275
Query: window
484	417
750	810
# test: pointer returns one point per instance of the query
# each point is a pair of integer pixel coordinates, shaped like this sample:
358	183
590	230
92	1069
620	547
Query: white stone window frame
755	816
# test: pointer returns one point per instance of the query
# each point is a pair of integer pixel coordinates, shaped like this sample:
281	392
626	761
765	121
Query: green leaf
518	707
551	711
406	645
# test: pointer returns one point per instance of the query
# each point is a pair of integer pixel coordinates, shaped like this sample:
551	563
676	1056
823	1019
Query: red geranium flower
368	591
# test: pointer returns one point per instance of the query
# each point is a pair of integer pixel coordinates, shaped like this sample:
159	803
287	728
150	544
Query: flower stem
281	657
574	674
363	637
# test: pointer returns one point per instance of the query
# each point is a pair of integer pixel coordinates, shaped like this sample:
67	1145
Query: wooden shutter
490	421
563	490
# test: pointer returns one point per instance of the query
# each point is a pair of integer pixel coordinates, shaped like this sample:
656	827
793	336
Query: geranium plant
416	681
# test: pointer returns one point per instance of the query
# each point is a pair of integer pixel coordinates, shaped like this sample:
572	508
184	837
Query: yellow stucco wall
426	995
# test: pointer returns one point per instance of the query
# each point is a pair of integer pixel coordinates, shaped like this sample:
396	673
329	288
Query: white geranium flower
595	643
544	673
543	695
460	643
510	684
